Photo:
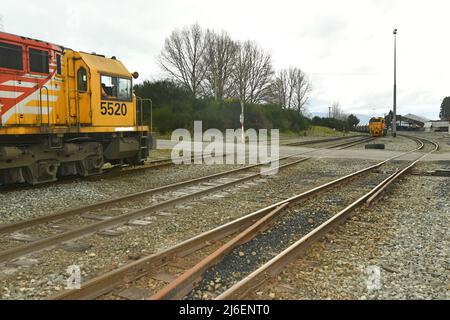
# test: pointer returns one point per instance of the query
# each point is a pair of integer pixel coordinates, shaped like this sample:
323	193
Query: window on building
116	88
58	64
82	80
38	61
10	56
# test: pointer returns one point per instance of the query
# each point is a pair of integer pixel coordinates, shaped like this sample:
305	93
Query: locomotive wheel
375	146
41	172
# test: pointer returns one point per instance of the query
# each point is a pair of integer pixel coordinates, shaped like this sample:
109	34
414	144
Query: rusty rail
51	241
273	267
100	285
186	282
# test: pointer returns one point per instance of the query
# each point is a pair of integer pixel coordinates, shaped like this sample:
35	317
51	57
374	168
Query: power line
345	74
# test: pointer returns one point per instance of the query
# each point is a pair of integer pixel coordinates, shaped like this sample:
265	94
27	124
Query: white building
436	125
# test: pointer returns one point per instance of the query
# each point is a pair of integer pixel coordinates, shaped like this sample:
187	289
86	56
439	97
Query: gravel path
43	274
405	238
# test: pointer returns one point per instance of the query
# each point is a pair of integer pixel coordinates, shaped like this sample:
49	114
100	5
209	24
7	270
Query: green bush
174	107
340	125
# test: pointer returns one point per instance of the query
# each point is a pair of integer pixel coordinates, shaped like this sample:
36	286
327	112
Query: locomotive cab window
82	80
115	88
58	64
10	56
38	61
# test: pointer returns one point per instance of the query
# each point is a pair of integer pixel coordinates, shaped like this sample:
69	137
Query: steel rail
93	285
349	144
276	264
15	226
51	241
19	225
186	282
303	143
100	285
401	172
160	163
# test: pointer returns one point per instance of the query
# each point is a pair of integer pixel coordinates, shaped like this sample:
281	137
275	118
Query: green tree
332	123
352	121
388	118
445	109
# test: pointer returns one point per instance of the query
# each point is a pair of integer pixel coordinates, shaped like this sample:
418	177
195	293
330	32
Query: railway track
62	230
160	163
349	144
311	142
108	173
256	223
110	214
117	171
75	222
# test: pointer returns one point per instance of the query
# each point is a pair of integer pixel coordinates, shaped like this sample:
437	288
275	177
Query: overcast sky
345	46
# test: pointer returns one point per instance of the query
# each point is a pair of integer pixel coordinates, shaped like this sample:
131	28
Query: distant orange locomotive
377	127
64	112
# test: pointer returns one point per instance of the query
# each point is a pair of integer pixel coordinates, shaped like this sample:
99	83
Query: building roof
415	118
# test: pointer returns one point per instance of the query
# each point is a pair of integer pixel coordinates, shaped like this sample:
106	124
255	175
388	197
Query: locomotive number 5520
111	108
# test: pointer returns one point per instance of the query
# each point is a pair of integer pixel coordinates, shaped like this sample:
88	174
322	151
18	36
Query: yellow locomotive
64	112
377	127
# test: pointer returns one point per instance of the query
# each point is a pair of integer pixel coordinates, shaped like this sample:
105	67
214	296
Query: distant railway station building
415	122
412	121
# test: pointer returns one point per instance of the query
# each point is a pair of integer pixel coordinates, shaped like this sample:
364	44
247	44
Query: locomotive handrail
40	105
140	106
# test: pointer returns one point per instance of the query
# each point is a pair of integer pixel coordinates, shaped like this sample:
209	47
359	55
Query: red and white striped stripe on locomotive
21	87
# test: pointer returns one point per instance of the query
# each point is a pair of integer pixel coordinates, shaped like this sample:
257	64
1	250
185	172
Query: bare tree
336	111
182	57
290	89
302	88
219	57
279	89
252	73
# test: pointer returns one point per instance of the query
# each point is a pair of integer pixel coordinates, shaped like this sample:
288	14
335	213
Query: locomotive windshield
116	88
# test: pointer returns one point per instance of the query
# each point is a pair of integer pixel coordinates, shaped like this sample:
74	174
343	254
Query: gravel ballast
404	238
293	224
46	274
32	202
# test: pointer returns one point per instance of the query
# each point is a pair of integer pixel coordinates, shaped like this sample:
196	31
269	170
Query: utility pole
242	122
394	118
329	112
